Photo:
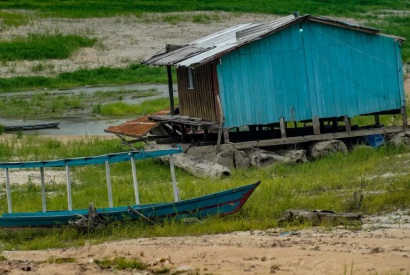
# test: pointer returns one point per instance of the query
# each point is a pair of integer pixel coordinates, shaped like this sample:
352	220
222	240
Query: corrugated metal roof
215	45
137	127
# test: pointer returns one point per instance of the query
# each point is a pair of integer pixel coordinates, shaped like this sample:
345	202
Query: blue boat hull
222	203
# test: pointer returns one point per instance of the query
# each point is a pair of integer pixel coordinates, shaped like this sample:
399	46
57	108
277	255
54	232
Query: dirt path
312	251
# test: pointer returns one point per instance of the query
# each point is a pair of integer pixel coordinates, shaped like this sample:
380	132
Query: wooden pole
282	127
348	124
107	170
8	191
43	190
316	125
174	182
170	90
70	205
226	135
134	178
404	116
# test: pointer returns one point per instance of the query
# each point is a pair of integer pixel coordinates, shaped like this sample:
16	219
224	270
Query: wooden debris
89	223
316	217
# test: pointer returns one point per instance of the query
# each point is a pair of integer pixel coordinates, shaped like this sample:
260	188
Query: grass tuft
43	46
61	260
135	73
122	263
11	19
121	108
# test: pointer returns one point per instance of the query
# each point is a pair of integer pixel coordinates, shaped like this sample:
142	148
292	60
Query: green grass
121	108
101	8
135	73
327	183
122	263
61	260
43	46
46	104
11	19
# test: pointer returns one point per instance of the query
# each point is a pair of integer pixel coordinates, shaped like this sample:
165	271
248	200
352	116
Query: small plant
61	260
19	134
2	258
2	129
121	263
163	270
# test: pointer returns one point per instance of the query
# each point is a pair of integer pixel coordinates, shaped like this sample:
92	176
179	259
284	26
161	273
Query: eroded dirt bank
381	247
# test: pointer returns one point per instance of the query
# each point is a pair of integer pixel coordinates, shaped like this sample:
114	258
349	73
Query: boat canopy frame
103	159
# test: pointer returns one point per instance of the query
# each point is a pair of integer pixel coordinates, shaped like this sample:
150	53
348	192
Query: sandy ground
382	247
122	40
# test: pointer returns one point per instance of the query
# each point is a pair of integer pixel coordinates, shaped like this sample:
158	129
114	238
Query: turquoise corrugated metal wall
323	71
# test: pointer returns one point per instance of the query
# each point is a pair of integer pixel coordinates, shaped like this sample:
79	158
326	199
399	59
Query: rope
357	49
345	73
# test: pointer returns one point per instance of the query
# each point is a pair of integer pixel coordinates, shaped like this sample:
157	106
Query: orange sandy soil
312	251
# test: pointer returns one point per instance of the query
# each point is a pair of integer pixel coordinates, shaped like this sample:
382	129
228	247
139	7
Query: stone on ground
323	148
401	139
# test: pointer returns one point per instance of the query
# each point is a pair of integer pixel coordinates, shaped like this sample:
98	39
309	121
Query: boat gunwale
161	206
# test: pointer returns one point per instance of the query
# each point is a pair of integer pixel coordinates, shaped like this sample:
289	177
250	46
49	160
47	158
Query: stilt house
294	69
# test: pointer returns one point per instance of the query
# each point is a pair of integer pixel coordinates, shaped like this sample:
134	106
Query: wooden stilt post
134	178
226	135
70	205
183	133
404	116
107	170
282	127
377	121
348	124
206	135
174	181
8	190
316	125
43	190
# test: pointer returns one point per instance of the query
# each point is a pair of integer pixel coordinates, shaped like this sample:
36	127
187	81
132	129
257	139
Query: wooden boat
221	203
31	127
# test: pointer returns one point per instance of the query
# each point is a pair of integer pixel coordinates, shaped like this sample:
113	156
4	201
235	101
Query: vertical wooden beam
174	181
282	127
70	204
295	124
316	125
348	124
107	170
215	87
8	190
43	190
377	121
170	90
404	116
183	133
226	135
206	135
134	178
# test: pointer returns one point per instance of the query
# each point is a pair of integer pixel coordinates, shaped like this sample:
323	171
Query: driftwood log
89	223
316	217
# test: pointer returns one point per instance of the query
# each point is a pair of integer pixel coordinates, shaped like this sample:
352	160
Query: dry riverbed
122	40
382	246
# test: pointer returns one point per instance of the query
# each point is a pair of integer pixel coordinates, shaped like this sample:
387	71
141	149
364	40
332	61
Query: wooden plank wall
199	102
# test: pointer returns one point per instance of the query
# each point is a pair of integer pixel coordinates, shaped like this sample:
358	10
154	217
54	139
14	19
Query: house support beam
226	135
377	121
404	115
316	125
348	124
170	90
282	127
